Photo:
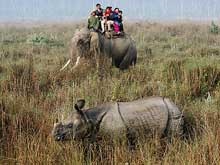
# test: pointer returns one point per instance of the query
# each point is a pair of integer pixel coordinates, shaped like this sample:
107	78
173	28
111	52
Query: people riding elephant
121	50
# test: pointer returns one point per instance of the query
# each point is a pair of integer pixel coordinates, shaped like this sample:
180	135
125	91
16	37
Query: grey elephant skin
145	116
88	44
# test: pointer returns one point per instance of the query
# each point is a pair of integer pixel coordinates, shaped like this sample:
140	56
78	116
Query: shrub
214	29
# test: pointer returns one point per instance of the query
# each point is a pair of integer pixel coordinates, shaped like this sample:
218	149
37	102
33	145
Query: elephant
85	43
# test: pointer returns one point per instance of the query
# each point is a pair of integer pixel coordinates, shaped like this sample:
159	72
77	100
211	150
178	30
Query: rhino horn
78	107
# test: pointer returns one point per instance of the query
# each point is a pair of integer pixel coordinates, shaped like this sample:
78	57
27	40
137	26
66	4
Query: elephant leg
125	64
133	62
116	62
97	58
129	59
99	66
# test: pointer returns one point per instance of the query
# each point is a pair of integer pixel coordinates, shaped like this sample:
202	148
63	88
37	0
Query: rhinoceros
143	116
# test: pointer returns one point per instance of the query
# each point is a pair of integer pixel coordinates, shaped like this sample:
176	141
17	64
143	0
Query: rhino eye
70	125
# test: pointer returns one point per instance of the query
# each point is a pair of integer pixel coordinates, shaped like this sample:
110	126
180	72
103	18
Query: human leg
109	23
103	26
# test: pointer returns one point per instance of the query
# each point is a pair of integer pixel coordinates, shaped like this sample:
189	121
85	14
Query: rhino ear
80	104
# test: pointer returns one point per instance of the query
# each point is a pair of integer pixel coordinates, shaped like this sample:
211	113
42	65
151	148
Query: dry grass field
177	60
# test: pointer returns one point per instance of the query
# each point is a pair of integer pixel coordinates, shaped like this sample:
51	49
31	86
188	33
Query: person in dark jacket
99	11
120	21
115	18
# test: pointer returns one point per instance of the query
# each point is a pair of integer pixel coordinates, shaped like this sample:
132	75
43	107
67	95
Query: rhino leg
175	120
175	126
131	136
90	150
86	152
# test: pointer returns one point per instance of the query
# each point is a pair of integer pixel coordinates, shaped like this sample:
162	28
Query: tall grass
179	61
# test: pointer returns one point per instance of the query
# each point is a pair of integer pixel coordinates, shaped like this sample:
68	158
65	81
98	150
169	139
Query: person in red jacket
105	17
108	17
108	11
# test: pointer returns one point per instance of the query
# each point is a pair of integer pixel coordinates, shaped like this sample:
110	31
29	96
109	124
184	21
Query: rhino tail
130	58
175	119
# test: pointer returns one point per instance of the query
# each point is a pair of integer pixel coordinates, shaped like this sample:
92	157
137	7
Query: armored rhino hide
154	114
140	117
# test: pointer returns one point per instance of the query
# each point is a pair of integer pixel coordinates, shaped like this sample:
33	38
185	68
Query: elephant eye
80	41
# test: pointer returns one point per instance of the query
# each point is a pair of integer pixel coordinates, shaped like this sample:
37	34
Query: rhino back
149	114
109	116
112	122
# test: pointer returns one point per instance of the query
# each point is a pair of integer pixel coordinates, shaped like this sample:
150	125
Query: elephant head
83	44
